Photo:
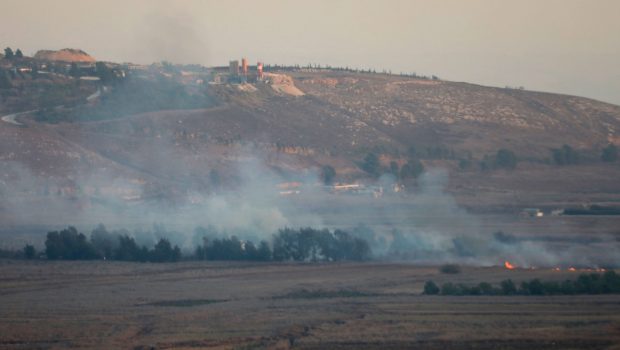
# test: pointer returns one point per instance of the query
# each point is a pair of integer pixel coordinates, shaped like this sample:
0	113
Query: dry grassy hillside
338	119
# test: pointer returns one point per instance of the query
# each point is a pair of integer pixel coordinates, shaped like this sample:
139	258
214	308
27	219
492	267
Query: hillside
309	119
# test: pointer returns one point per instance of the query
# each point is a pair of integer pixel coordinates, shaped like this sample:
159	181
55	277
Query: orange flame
508	265
572	269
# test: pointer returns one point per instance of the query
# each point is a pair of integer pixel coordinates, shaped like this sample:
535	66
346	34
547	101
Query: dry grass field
48	305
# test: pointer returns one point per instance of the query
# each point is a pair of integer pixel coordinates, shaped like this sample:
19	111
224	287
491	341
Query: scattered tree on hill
464	164
214	178
610	153
505	159
412	170
565	155
371	165
328	173
8	53
19	54
395	169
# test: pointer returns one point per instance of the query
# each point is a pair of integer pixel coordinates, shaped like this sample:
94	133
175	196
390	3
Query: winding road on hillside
11	118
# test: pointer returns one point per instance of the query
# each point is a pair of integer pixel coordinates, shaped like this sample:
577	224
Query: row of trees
9	54
304	244
410	170
595	283
502	159
308	244
233	249
566	155
69	244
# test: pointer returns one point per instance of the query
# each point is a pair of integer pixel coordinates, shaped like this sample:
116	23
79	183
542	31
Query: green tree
430	288
565	155
19	54
29	251
328	173
74	71
214	178
8	53
264	252
610	153
508	287
412	170
5	81
395	169
104	73
164	252
371	164
505	159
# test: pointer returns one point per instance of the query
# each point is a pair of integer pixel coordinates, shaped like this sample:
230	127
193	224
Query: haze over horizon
563	46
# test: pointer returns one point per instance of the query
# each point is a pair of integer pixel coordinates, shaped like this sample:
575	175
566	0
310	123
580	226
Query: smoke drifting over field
435	230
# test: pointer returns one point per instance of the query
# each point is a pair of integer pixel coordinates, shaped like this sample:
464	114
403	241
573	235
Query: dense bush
595	283
450	268
430	288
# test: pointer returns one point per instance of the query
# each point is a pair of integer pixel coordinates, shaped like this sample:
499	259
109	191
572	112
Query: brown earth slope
64	55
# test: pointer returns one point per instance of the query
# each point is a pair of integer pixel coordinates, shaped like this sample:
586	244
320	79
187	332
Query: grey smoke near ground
436	229
440	231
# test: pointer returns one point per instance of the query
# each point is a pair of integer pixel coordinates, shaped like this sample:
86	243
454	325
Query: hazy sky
569	46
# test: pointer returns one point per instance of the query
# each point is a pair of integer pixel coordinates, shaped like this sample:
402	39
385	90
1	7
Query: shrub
430	288
610	153
29	251
450	269
505	159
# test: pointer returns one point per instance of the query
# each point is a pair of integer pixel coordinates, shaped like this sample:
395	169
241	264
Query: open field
225	306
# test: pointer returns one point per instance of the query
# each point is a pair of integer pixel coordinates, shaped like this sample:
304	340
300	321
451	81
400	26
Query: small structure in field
531	213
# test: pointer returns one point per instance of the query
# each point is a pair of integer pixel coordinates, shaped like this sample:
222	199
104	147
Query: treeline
316	66
69	244
304	244
595	283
